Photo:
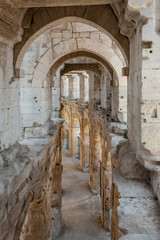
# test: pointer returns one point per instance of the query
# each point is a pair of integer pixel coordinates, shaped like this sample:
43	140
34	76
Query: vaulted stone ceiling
53	3
11	24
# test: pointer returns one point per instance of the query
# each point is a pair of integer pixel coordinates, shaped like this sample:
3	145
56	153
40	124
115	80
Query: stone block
94	36
10	154
155	182
129	165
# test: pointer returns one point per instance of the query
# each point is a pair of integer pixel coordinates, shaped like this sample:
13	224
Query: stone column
70	80
84	157
103	89
64	87
115	97
95	161
76	86
106	90
84	87
109	92
91	90
97	89
106	185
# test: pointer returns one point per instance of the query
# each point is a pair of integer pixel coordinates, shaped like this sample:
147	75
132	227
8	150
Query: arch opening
34	27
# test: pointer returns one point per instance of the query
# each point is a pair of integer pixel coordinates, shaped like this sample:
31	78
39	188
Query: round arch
66	113
63	48
81	67
37	21
82	53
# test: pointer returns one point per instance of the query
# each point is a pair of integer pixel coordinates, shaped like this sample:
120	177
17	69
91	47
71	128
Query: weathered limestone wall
10	33
119	96
104	88
134	90
143	89
136	197
10	130
35	100
56	94
28	188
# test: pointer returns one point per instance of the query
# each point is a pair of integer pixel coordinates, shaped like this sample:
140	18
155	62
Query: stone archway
86	54
66	47
40	77
55	57
50	17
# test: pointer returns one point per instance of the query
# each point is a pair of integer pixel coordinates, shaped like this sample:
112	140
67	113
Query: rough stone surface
140	237
129	165
155	182
118	128
137	201
21	188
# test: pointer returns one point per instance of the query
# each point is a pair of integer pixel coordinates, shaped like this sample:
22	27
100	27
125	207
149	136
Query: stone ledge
140	237
129	165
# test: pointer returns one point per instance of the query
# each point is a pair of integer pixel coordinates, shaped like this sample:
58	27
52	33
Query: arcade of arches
80	103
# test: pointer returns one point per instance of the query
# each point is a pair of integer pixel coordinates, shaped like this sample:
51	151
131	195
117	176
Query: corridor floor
80	208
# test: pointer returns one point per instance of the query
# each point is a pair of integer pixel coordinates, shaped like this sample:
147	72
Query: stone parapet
26	178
